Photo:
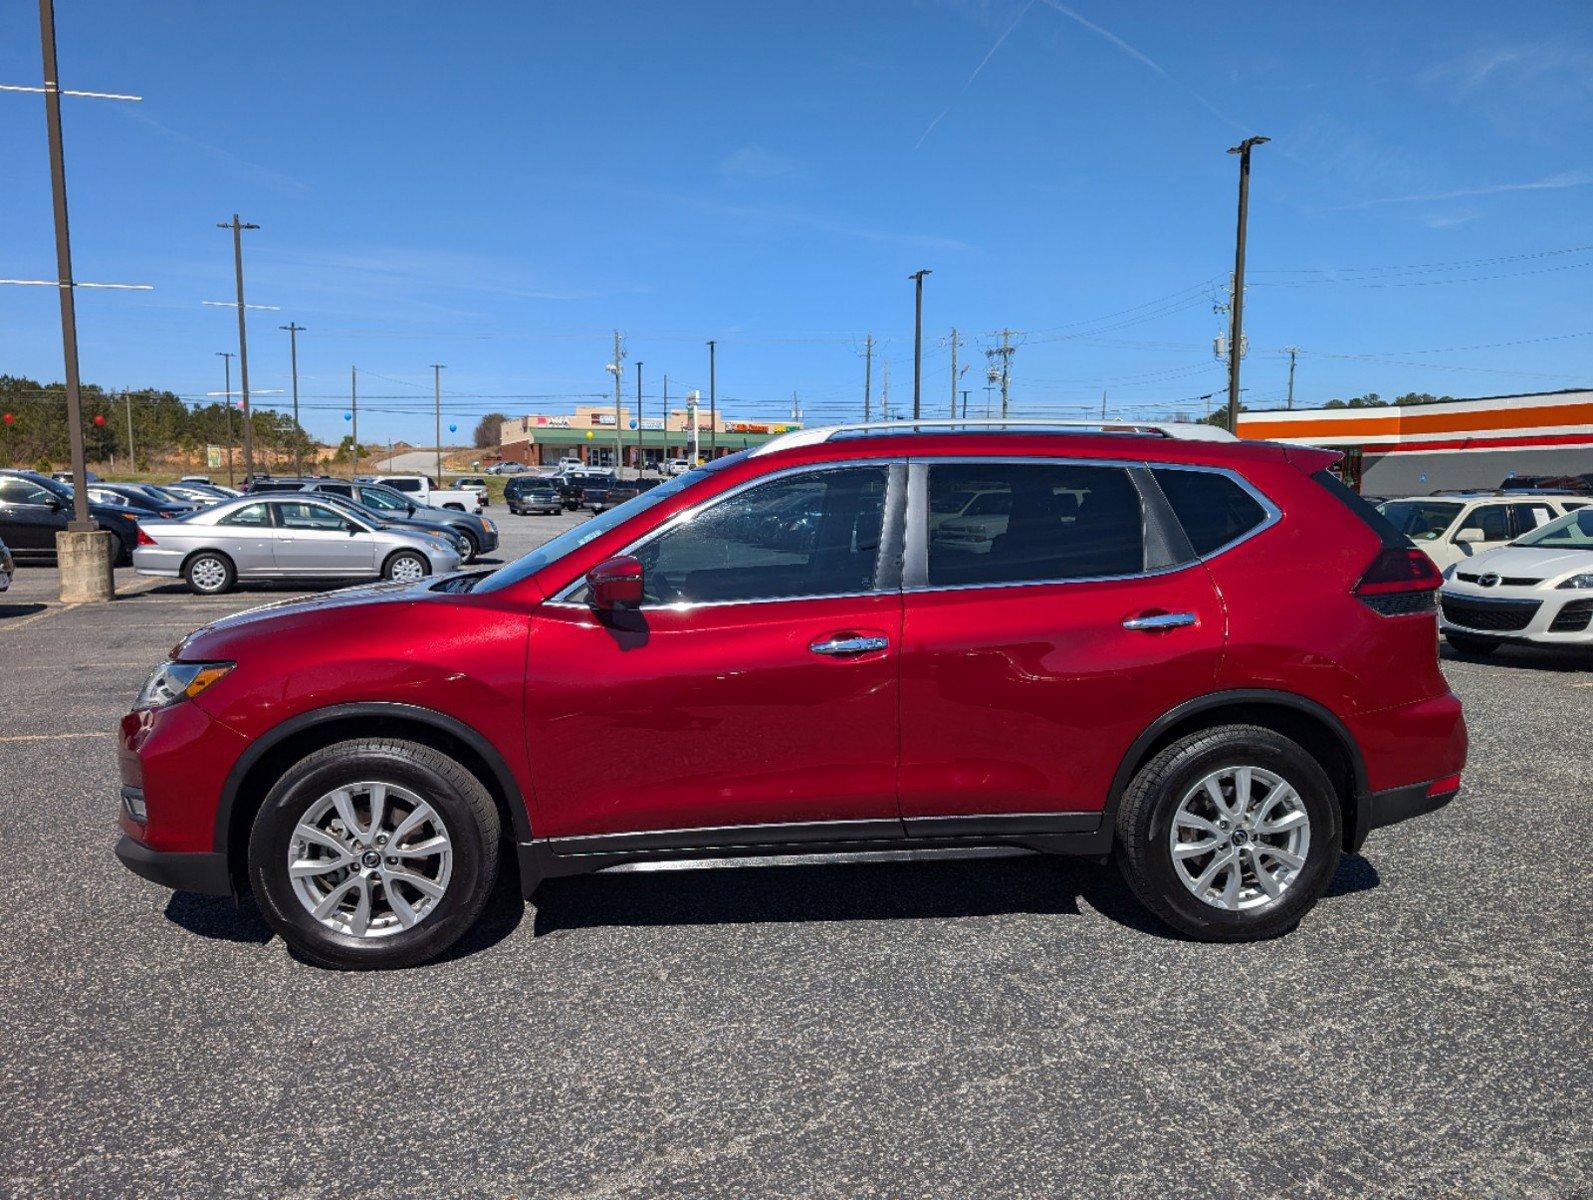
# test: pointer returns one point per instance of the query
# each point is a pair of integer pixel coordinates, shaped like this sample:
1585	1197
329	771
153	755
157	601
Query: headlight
174	681
1584	580
488	525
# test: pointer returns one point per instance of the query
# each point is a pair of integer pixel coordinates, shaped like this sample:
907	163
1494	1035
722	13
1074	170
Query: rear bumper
1377	809
205	873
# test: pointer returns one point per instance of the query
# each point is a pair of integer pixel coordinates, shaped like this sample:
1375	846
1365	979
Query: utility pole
954	372
619	447
1237	329
81	522
354	416
1293	350
918	334
436	403
293	329
868	374
226	402
885	391
713	400
638	418
1103	404
237	228
666	414
964	404
1001	374
132	457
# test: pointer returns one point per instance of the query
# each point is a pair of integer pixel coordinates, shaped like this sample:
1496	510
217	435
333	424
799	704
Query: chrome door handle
850	645
1157	621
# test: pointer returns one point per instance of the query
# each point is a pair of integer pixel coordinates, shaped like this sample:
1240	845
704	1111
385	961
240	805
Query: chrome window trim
1272	517
564	597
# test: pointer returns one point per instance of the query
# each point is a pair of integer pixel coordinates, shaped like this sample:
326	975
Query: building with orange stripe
1419	448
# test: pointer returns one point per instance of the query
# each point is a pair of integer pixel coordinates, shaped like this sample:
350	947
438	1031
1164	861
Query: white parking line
55	737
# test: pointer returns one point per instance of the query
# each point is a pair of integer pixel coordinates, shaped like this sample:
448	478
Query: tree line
34	432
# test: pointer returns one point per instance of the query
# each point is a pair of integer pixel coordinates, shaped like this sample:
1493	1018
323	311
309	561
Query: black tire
391	565
202	565
1465	643
456	795
1144	826
472	547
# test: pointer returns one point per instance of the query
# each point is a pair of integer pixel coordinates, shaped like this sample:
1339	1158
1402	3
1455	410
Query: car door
246	534
30	515
755	685
1032	660
317	539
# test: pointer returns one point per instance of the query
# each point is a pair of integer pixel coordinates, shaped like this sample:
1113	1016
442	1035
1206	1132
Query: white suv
1455	526
1538	589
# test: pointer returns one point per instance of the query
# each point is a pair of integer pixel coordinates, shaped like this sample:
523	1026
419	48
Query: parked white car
1460	525
424	491
1538	589
477	484
676	466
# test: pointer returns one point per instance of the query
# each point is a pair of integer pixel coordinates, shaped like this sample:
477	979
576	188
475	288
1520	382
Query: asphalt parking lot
975	1027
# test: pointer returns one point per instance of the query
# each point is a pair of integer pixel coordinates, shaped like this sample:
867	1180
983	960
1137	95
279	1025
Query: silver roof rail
1183	430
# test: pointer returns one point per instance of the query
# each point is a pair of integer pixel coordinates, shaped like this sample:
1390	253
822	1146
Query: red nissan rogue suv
1203	657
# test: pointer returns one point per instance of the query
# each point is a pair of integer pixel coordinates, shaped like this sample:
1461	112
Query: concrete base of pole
86	561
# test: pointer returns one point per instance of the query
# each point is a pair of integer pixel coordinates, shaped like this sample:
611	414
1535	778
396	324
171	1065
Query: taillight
144	539
1399	582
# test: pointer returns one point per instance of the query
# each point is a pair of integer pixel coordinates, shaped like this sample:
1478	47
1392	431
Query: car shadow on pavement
929	889
926	889
1546	658
218	917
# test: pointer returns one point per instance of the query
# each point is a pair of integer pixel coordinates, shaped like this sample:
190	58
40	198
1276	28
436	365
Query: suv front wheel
373	853
1230	834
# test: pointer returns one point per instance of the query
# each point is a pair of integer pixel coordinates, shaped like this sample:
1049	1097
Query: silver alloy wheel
408	569
370	859
208	573
1240	838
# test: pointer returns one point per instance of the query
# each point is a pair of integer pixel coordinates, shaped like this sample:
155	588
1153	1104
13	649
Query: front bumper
204	872
1527	616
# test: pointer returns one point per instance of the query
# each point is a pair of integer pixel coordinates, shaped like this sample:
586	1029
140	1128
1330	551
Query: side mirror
352	528
1469	537
615	583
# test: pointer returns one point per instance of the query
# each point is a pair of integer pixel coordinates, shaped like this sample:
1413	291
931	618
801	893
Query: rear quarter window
1213	509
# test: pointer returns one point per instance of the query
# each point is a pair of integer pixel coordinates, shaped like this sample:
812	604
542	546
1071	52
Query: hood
1535	562
210	641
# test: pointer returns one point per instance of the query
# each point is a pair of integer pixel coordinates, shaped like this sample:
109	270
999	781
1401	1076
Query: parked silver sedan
285	537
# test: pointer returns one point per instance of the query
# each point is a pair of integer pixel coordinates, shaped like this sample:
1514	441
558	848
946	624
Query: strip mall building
592	434
1421	448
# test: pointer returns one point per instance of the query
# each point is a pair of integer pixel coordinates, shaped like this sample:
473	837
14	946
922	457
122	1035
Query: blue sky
498	186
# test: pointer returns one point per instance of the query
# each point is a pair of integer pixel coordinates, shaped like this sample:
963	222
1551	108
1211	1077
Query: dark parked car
144	501
1205	658
601	499
533	493
392	520
34	507
479	533
573	486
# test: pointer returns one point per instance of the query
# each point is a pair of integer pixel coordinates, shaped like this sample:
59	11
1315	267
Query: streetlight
918	333
1237	328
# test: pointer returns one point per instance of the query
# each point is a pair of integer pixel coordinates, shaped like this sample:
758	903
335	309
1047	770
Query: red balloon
99	418
9	418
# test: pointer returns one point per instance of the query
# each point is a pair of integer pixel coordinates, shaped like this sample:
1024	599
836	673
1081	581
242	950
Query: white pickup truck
425	491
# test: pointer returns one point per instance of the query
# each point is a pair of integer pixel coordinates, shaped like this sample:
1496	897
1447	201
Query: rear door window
1036	522
1492	519
1213	509
257	515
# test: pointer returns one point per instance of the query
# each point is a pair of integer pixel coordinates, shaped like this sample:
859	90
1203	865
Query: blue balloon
633	422
348	416
453	429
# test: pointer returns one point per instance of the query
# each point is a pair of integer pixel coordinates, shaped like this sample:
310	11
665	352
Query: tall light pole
713	400
226	402
617	369
237	228
918	334
354	416
81	522
436	402
1237	329
1292	350
638	418
293	329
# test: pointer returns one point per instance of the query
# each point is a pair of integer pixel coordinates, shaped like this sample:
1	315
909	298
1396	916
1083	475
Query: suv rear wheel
1230	834
374	853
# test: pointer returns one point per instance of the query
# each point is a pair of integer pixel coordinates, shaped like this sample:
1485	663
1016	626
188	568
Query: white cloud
754	162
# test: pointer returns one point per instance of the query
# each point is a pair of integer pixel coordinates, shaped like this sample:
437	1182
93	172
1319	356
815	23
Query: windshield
573	539
1574	531
1420	520
379	497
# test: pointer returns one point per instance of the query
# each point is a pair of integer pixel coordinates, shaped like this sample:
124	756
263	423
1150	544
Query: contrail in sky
969	81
